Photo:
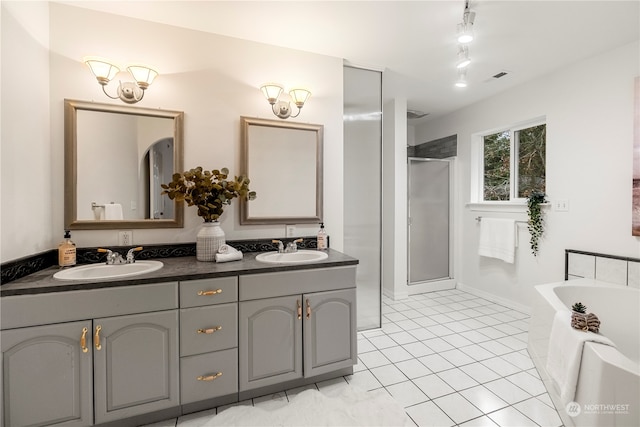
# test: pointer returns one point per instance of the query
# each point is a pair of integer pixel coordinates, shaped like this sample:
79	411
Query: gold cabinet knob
209	377
209	293
96	339
209	330
83	340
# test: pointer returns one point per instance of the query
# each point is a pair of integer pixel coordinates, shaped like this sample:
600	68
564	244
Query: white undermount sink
104	271
299	257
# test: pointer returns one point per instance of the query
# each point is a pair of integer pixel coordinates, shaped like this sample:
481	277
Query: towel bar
479	218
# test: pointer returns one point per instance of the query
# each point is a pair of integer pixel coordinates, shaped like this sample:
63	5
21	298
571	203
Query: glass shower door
363	188
428	220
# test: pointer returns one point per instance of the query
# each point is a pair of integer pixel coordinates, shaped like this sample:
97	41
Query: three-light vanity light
128	92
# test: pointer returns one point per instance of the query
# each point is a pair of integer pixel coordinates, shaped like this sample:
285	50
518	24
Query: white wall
213	79
589	111
27	204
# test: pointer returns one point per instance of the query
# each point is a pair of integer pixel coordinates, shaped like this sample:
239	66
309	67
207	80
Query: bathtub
608	389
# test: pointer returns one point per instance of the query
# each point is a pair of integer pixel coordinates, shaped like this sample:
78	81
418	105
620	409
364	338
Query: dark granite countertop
177	268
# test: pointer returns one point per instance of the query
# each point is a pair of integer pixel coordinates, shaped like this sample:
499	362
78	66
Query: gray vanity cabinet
135	364
80	358
270	341
299	336
48	379
208	339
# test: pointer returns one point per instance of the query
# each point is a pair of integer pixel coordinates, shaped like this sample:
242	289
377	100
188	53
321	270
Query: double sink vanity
136	343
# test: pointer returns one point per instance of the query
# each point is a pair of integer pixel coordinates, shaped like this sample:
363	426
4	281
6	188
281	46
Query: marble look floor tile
539	412
382	341
457	379
332	387
407	393
483	399
396	354
428	414
522	361
435	362
500	366
433	386
271	401
476	352
483	421
528	383
403	337
364	380
373	359
438	345
457	407
511	417
457	357
479	372
388	375
294	391
417	349
413	368
507	391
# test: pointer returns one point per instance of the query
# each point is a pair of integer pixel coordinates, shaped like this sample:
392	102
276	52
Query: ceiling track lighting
128	92
463	57
465	28
462	78
282	108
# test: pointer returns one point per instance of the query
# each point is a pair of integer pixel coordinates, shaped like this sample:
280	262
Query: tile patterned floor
450	358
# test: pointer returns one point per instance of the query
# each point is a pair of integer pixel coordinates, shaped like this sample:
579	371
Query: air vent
499	75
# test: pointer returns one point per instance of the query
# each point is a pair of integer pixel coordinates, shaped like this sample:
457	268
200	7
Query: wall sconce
281	108
128	92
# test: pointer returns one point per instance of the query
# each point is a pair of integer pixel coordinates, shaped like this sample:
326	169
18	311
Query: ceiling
414	41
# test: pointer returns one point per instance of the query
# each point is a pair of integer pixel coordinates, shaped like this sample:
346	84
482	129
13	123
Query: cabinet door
270	341
48	379
329	331
136	366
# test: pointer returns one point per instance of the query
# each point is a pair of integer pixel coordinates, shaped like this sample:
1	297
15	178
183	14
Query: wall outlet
561	205
290	231
125	238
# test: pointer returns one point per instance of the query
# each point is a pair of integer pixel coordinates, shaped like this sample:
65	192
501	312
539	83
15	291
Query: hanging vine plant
536	219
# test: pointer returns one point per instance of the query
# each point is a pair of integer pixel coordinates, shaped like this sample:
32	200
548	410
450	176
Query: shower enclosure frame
440	283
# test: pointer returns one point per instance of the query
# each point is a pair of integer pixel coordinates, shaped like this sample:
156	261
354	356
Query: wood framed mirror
284	162
116	157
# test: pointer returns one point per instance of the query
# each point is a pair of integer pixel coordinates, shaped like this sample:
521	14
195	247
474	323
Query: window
513	162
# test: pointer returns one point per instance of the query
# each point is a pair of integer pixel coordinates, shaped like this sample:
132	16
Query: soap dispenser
322	238
67	251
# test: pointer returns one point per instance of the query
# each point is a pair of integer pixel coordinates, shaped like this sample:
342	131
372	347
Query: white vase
208	241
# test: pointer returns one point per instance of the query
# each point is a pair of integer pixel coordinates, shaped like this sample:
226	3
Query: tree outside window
509	176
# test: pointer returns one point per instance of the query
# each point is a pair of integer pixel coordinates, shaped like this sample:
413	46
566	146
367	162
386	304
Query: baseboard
395	294
433	286
494	298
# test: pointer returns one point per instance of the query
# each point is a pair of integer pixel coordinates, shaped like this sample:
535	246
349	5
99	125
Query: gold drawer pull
97	338
209	330
299	310
209	377
83	340
209	293
308	309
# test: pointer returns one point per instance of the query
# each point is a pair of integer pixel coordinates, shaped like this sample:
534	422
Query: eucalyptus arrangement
209	191
536	220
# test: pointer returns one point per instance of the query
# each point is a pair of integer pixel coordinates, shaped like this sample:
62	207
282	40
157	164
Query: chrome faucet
114	258
292	246
280	246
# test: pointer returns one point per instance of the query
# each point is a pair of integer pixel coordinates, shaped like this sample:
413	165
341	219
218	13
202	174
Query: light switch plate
290	231
561	205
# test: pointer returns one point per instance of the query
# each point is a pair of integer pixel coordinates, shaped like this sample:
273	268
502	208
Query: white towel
113	211
232	256
226	249
498	239
565	353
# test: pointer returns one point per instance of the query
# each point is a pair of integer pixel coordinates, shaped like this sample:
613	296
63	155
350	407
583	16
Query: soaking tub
608	386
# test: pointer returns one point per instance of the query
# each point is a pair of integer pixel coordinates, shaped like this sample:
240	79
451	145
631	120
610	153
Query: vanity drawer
196	293
200	377
211	328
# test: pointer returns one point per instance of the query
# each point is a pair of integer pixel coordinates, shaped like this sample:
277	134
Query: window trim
477	165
